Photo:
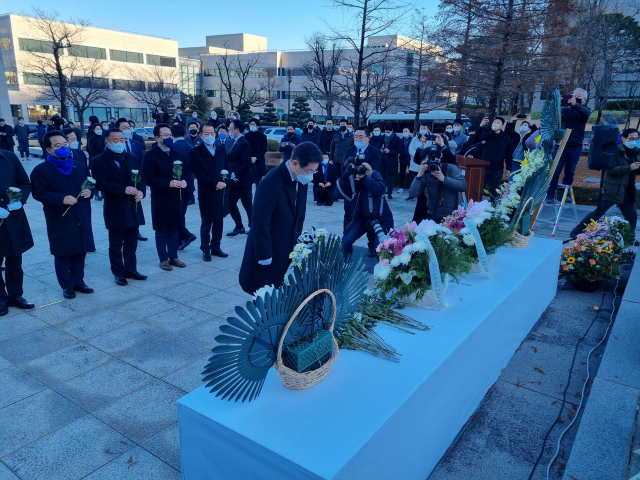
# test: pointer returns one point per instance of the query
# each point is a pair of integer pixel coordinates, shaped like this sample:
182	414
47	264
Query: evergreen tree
221	114
300	111
245	112
269	117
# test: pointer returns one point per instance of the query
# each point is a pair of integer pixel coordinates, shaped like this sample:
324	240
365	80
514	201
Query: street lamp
289	79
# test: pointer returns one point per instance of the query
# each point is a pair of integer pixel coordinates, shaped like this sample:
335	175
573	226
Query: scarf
63	166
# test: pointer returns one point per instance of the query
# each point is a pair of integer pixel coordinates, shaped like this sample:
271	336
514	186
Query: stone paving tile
189	377
36	344
143	413
165	357
205	333
73	451
6	474
127	339
218	280
145	306
105	384
166	446
177	319
32	418
217	305
17	385
4	363
63	310
186	292
136	464
66	363
17	325
93	324
117	295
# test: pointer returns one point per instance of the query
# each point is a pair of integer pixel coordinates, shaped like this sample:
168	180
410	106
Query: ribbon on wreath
434	272
482	253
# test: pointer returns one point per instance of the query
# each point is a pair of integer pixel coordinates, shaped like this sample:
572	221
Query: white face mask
376	133
214	115
456	128
350	130
126	134
73	145
423	132
194	115
210	140
449	130
405	134
21	122
325	161
98	131
304	179
253	128
179	112
116	147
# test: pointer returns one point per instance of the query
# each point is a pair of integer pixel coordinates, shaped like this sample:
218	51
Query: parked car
586	143
145	133
275	133
33	131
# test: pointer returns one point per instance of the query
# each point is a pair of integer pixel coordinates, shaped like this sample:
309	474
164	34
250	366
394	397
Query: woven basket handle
299	309
523	209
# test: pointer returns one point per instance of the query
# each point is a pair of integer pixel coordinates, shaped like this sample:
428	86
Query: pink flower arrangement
455	220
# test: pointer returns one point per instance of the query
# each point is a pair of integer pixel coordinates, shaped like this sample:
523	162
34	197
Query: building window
138	115
28	45
12	78
5	43
16	110
39	79
129	85
103	113
42	112
161	61
88	52
122	56
189	79
160	87
210	93
87	82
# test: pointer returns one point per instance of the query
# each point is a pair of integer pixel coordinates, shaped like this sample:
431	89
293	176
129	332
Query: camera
361	170
377	229
433	160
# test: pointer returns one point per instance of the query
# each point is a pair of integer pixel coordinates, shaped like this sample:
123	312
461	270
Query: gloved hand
3	213
17	205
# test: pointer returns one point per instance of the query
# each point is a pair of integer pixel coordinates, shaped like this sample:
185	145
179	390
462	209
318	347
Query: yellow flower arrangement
571	260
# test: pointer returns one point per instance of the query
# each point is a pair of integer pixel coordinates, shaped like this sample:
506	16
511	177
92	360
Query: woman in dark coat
15	234
56	183
259	146
166	204
213	201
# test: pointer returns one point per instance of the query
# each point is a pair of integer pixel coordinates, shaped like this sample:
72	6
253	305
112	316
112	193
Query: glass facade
138	115
12	78
28	45
103	113
90	83
16	111
88	52
161	61
129	85
38	79
129	57
190	79
5	43
42	112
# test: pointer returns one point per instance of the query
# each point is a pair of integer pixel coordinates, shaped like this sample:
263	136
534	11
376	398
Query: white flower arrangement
509	193
15	190
262	292
468	240
135	172
303	249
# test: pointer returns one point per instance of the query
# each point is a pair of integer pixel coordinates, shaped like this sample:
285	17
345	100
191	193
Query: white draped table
371	418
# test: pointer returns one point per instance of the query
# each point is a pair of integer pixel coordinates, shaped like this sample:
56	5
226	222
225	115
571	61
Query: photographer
364	149
574	116
436	178
366	209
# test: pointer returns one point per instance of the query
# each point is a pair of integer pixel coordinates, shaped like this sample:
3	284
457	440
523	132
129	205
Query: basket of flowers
417	262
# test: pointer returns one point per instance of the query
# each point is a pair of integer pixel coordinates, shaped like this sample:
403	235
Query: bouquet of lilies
88	184
135	178
15	195
177	173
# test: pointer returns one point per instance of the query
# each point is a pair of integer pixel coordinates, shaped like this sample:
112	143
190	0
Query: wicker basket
302	381
521	241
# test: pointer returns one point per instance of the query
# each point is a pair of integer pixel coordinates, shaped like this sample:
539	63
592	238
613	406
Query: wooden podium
472	170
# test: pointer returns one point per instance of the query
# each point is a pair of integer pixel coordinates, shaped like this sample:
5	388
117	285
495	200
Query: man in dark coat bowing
280	207
209	162
57	183
241	176
113	171
166	201
15	234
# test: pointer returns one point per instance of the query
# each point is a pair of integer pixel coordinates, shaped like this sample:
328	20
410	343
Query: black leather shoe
3	307
19	302
121	281
135	275
141	238
372	253
187	241
219	253
69	293
84	288
206	256
235	231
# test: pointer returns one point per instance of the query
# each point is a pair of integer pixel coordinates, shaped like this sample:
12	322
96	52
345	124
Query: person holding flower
15	234
58	183
209	165
123	190
158	170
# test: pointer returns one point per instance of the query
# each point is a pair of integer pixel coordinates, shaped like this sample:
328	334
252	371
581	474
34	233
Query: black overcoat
71	233
259	146
15	234
240	163
207	168
119	209
166	208
183	148
278	217
319	177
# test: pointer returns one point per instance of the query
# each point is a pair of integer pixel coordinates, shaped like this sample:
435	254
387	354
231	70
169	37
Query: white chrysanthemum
395	262
464	231
224	172
408	248
404	258
321	232
468	240
15	189
90	180
135	172
262	292
419	246
177	162
382	271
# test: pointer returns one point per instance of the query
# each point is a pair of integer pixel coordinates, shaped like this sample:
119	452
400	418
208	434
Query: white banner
434	272
482	253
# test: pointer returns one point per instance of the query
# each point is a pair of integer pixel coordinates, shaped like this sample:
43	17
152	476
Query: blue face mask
359	145
63	152
168	142
630	144
222	136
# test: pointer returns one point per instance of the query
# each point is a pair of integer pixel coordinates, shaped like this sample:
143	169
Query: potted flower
417	262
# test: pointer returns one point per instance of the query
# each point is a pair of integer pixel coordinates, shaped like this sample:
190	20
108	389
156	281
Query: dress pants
123	244
210	235
167	244
23	146
358	227
325	196
243	194
184	231
13	276
70	270
403	172
569	161
627	208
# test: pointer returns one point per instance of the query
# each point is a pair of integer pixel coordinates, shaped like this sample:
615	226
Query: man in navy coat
241	176
363	150
280	208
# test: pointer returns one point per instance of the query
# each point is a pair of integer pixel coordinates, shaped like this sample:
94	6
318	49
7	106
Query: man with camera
364	150
366	209
574	116
437	180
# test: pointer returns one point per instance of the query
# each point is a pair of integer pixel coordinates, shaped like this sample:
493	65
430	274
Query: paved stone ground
89	386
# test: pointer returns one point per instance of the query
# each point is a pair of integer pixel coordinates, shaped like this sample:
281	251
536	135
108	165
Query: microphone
474	146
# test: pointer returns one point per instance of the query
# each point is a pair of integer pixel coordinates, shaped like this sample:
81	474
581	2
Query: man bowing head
278	216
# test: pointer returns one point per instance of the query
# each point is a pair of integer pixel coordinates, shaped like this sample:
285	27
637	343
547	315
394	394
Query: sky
284	23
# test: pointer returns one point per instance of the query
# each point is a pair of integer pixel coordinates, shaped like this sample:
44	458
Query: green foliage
269	117
300	111
594	115
495	233
221	114
535	115
197	102
623	104
245	112
273	145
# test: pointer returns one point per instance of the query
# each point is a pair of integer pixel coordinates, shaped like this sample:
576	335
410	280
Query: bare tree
270	86
152	85
380	89
320	69
369	18
88	85
45	56
234	71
